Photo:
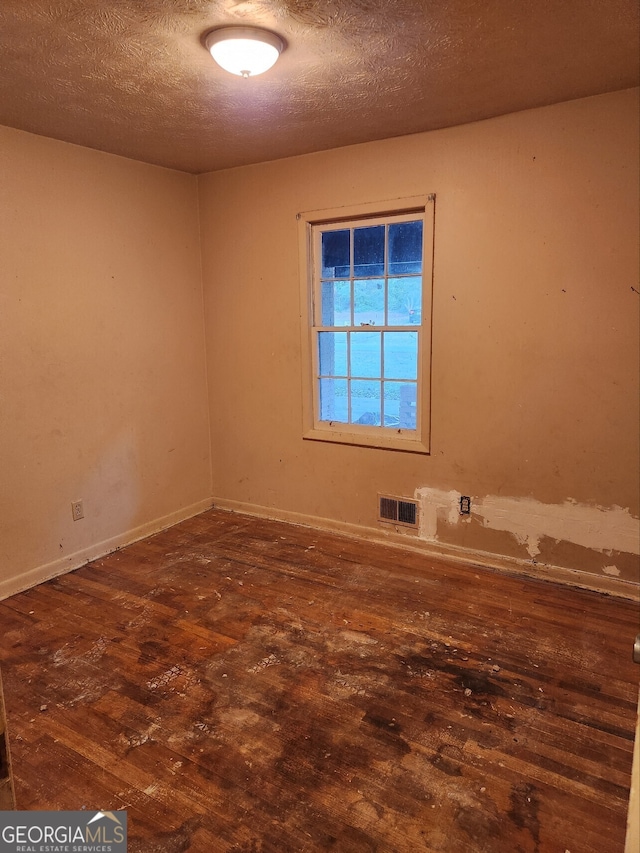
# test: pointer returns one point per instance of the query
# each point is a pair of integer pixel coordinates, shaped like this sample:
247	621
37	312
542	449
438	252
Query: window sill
387	439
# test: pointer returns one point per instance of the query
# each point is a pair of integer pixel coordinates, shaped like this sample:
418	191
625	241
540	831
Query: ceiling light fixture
245	51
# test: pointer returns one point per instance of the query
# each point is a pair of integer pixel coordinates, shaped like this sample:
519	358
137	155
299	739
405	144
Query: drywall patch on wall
603	529
614	571
598	528
434	504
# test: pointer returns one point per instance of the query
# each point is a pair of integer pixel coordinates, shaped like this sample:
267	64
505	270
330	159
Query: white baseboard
33	577
496	562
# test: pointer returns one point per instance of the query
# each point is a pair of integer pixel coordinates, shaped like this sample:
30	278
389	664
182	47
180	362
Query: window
367	324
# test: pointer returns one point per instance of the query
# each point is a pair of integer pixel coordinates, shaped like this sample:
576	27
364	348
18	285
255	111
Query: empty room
319	426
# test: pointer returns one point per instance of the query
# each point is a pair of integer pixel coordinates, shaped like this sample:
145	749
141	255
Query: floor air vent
398	511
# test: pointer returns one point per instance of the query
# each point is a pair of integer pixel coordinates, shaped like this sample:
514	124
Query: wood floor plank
248	686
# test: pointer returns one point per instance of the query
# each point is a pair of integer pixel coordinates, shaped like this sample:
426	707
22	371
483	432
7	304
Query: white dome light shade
245	51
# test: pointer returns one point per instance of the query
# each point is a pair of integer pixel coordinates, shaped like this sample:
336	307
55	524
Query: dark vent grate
389	509
407	513
398	511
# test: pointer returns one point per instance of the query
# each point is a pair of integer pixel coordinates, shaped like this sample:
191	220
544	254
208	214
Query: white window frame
393	438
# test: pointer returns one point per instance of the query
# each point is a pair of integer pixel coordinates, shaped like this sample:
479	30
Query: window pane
408	405
405	301
401	355
336	303
400	404
391	393
368	297
335	254
333	400
332	353
365	354
365	402
368	250
405	247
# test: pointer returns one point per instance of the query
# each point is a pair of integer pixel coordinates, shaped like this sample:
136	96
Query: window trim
390	438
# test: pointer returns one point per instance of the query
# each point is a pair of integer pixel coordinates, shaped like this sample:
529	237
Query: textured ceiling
132	77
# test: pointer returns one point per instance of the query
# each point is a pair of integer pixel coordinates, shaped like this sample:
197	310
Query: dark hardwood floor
247	686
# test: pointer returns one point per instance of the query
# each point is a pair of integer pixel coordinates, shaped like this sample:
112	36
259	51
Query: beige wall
535	335
102	373
535	349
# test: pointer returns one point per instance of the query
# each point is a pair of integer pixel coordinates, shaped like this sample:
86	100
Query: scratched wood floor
246	686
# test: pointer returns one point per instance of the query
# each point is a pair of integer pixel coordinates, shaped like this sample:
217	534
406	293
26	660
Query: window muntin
369	328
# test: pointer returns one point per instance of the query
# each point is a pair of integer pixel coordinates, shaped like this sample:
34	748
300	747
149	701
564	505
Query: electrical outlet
77	510
465	505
